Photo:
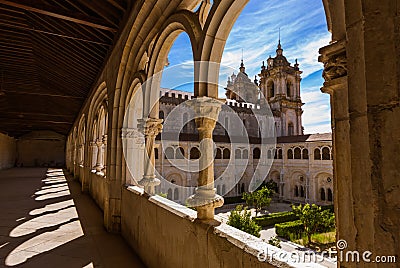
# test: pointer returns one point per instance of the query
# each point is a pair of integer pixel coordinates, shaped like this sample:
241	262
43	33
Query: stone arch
226	153
194	153
297	153
238	154
175	178
323	180
256	153
169	153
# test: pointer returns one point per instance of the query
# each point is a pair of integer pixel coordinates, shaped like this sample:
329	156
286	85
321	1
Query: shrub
241	219
314	219
259	199
275	242
274	218
287	229
233	199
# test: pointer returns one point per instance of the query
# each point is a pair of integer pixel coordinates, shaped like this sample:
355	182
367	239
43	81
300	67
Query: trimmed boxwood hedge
287	228
233	199
274	218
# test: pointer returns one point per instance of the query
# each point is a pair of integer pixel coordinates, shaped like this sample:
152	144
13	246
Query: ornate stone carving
150	126
134	134
335	67
334	59
205	199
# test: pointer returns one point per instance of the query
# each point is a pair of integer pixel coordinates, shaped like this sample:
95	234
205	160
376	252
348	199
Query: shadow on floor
46	221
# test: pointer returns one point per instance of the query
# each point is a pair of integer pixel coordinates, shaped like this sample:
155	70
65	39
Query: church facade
298	165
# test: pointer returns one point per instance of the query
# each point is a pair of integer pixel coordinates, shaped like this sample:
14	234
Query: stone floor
45	221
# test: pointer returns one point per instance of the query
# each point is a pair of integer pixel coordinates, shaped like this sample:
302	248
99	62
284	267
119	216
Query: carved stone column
335	74
205	200
150	127
93	153
104	157
99	162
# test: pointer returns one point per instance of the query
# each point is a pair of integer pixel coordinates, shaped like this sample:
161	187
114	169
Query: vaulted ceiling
51	52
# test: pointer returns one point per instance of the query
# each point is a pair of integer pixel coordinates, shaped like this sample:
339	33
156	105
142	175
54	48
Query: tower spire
242	68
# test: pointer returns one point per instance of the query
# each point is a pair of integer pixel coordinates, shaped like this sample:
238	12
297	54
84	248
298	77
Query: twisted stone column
150	127
205	200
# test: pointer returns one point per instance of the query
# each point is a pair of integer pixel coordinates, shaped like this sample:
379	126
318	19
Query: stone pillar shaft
150	127
205	200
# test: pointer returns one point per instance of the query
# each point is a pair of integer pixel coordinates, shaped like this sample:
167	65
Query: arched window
256	153
180	153
288	89
242	188
269	155
280	153
169	194
218	153
326	154
155	153
297	153
305	154
161	114
245	154
290	129
226	153
176	194
317	154
301	191
238	154
322	191
289	154
296	191
194	153
169	153
271	88
223	191
330	195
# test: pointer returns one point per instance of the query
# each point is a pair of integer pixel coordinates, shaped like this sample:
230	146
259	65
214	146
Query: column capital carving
206	111
150	126
334	58
132	134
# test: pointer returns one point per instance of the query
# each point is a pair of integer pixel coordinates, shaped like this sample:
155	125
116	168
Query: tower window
271	88
288	89
290	129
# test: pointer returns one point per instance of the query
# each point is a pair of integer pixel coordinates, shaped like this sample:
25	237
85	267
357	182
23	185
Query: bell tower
280	85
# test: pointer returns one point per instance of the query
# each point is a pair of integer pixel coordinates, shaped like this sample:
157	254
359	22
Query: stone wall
8	151
166	234
41	149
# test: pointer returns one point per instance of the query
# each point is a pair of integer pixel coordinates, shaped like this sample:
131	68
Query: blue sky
303	31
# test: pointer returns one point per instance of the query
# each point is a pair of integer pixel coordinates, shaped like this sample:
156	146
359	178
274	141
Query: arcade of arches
362	76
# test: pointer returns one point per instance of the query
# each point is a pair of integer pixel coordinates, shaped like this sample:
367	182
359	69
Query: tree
314	219
259	199
241	219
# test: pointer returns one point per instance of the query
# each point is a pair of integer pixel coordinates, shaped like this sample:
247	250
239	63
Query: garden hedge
285	229
274	218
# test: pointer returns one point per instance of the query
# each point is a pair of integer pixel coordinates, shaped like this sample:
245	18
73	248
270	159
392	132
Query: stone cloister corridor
46	221
69	72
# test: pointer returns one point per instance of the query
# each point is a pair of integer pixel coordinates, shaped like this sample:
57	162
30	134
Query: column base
149	183
205	201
